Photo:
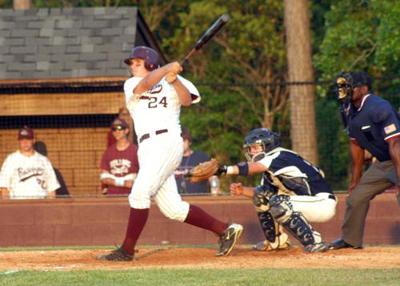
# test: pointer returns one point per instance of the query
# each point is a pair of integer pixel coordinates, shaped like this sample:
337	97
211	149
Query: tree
298	43
366	38
250	49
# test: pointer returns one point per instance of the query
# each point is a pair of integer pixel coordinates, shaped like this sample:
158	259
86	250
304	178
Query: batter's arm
183	93
357	162
155	77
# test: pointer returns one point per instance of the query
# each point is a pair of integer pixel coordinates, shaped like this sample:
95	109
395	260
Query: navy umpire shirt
372	124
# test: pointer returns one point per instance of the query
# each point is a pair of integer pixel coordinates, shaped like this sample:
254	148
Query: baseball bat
211	32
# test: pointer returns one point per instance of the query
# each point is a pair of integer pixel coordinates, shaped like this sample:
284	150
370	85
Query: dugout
62	73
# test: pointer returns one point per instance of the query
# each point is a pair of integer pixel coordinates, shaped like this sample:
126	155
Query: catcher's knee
280	207
261	197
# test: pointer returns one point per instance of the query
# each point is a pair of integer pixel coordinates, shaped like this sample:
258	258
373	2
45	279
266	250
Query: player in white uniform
154	96
26	174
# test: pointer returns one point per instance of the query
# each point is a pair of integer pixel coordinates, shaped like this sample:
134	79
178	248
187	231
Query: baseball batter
154	96
26	174
292	192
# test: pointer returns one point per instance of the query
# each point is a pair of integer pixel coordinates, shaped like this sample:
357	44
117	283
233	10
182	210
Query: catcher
292	192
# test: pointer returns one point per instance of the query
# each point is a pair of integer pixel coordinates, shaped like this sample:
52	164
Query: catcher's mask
261	139
347	81
150	57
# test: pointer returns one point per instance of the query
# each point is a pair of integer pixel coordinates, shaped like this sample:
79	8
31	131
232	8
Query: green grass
196	277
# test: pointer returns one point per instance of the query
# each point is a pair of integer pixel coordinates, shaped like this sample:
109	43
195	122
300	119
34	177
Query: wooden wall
76	152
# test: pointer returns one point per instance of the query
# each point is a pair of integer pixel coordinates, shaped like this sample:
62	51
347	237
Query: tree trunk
298	44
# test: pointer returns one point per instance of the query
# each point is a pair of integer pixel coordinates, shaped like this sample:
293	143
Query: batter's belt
147	135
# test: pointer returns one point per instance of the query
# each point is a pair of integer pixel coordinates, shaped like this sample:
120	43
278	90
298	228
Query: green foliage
195	277
360	35
249	49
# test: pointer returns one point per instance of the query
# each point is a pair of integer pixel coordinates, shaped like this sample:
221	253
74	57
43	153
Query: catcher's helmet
346	81
264	137
150	57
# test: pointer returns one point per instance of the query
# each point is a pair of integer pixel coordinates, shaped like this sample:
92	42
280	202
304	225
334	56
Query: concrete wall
102	221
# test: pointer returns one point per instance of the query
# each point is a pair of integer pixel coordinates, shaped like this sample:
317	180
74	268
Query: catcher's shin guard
293	222
268	225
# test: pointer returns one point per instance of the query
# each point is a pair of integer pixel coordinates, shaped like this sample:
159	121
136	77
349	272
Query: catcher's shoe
265	245
228	240
281	242
317	247
118	254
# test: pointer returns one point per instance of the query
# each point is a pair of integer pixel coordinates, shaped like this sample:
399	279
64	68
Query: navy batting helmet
264	137
150	57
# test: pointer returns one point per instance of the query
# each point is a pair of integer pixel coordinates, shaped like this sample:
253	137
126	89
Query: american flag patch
390	128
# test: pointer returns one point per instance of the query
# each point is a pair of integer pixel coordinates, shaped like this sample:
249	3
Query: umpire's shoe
340	243
229	238
118	254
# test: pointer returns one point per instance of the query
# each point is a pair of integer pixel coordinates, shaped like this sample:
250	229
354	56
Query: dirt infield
169	257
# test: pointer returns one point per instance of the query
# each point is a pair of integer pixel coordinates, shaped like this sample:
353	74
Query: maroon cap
119	122
25	133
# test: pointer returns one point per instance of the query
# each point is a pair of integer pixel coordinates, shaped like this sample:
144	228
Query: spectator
123	113
26	174
62	191
190	159
119	164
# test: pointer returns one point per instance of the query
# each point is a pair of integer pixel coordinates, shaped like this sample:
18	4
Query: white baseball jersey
160	153
28	177
157	108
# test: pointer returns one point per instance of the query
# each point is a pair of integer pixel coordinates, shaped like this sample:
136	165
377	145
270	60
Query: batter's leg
172	206
136	223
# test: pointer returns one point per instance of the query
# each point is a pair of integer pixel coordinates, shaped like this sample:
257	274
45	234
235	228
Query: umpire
373	125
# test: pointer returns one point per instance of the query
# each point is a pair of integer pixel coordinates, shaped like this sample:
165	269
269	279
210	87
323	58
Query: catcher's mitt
203	171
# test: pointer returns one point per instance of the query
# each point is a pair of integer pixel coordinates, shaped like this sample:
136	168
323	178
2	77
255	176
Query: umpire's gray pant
378	177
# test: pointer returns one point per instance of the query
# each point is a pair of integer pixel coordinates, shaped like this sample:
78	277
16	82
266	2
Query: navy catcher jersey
374	122
296	174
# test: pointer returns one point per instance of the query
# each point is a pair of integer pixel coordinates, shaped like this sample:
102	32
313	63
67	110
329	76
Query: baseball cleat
229	238
317	247
265	245
118	254
340	243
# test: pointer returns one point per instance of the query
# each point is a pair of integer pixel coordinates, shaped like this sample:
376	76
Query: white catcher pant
159	156
318	208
